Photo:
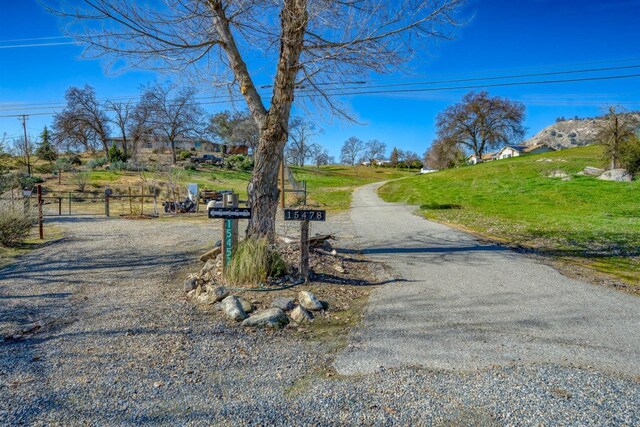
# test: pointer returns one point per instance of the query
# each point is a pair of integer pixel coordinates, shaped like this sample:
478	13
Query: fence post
304	183
141	201
59	206
130	203
69	203
40	229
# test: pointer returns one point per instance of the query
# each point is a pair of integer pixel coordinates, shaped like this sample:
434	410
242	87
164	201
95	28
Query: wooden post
155	204
106	204
40	228
234	223
130	202
69	203
282	181
59	206
141	201
59	176
304	250
225	204
304	183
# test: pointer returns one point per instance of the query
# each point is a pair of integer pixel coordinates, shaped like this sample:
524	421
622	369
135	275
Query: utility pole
26	144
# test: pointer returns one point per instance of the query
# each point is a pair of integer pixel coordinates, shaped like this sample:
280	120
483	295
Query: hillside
572	133
516	201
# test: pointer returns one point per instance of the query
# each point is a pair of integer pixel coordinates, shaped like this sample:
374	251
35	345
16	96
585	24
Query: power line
15	46
34	39
227	98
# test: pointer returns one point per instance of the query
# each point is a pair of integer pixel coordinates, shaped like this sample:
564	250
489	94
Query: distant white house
487	157
427	170
520	150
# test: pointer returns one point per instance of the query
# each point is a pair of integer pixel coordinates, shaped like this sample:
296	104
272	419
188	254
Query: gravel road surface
105	337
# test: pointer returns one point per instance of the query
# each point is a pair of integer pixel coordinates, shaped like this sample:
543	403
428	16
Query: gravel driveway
109	340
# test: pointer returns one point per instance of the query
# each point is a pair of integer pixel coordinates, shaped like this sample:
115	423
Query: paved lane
467	305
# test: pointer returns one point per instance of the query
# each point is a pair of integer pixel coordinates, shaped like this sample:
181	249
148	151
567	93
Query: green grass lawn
330	187
515	201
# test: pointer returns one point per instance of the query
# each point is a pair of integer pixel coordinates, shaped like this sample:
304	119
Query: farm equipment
213	195
185	206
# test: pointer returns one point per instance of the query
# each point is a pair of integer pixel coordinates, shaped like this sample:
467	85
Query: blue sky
501	38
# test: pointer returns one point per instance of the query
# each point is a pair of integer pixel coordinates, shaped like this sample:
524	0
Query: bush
23	180
116	154
15	224
253	262
184	155
97	163
630	156
118	166
64	164
190	167
47	168
75	160
239	162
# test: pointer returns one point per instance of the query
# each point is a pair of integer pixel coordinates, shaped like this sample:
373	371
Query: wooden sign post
40	227
304	216
230	213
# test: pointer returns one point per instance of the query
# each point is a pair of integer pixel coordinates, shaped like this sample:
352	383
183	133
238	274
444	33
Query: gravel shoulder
104	336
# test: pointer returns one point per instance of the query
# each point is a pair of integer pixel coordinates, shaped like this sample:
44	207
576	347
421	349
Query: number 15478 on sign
304	215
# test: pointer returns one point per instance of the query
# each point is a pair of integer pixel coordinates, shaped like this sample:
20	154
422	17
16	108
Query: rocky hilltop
573	132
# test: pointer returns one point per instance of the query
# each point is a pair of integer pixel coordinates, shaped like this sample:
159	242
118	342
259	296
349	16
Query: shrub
75	160
184	155
253	262
630	156
81	179
116	154
190	166
22	180
15	224
117	165
239	162
97	163
64	164
47	168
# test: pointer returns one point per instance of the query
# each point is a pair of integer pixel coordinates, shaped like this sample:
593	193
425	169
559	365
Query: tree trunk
174	158
263	187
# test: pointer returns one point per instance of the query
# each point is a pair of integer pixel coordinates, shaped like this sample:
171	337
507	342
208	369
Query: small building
487	157
520	150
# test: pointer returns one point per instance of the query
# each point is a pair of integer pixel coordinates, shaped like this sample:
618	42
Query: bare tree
374	150
82	118
316	47
320	156
237	128
174	112
480	122
122	117
442	155
617	129
351	151
300	146
72	134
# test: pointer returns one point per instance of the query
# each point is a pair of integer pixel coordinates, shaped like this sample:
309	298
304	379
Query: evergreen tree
46	150
393	160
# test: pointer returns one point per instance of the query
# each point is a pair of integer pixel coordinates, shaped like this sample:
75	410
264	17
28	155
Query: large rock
246	305
309	301
233	309
270	318
209	267
283	303
301	315
591	171
190	284
216	293
620	175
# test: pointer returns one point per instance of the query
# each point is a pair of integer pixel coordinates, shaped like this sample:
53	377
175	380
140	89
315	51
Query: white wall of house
508	152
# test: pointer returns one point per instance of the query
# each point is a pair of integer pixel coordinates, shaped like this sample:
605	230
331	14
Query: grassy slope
513	200
331	186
